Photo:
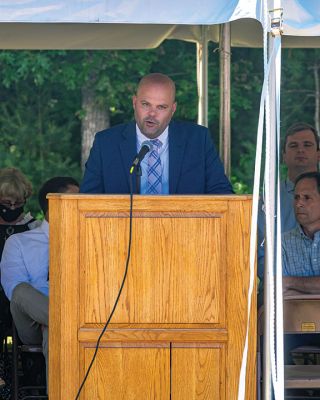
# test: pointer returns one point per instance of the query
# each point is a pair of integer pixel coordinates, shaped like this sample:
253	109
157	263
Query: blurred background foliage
41	101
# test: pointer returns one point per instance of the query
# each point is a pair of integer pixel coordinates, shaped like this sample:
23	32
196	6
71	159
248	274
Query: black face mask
9	215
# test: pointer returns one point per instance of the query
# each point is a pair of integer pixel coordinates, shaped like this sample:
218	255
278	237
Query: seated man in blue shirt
301	245
300	154
301	250
25	271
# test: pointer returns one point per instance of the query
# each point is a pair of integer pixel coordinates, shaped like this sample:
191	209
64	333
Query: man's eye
162	107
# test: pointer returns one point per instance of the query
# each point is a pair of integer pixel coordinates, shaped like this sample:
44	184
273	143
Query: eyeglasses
10	204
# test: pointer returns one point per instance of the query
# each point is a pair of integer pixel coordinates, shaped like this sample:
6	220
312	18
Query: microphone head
147	143
146	146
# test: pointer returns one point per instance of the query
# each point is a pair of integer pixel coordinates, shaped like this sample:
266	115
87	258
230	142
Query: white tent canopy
137	24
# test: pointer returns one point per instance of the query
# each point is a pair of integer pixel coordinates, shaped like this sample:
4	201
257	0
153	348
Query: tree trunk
96	118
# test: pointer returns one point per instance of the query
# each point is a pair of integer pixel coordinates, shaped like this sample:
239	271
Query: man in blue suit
187	160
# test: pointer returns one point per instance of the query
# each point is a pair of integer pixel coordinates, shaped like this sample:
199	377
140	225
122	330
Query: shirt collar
142	138
289	185
45	227
26	218
299	227
316	236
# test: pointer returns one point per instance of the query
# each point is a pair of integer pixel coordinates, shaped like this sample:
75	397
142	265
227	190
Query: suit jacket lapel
128	150
177	143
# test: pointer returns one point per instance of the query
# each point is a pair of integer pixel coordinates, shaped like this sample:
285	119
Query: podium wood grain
180	324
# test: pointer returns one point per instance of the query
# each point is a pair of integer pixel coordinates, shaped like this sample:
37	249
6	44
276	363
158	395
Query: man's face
154	107
307	203
301	152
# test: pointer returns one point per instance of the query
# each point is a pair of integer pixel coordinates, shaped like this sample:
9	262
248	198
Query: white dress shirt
25	258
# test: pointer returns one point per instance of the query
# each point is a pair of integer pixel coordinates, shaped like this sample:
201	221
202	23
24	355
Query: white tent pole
267	381
202	77
225	89
273	351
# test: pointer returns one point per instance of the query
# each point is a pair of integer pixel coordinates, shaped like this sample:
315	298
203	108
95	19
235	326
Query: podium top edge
85	196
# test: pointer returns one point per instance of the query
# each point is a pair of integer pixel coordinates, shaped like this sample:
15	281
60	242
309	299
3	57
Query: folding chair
302	316
22	391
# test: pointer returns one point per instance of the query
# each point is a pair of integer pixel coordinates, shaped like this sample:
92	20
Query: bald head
158	79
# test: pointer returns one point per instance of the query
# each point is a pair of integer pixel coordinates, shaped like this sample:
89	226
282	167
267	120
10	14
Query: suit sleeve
216	180
92	181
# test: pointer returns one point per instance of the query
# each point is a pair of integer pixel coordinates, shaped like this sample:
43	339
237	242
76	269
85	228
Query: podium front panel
173	251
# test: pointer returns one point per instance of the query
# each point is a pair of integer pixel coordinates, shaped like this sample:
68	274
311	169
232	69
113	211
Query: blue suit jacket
194	165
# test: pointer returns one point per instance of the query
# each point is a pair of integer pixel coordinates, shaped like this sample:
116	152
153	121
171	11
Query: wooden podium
179	329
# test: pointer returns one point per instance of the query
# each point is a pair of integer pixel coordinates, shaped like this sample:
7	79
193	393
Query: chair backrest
301	313
20	392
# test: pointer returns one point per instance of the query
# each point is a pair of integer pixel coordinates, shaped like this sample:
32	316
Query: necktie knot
156	143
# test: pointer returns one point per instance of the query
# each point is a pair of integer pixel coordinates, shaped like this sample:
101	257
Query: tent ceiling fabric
139	24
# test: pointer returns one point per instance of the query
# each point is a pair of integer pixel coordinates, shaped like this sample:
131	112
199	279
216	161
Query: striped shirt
300	254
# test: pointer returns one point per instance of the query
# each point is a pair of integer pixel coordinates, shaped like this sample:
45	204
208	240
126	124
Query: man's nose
301	148
299	203
152	111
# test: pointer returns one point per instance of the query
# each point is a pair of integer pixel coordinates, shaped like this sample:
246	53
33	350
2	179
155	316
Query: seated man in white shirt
25	268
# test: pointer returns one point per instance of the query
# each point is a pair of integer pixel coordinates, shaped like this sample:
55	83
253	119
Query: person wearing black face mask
15	189
9	214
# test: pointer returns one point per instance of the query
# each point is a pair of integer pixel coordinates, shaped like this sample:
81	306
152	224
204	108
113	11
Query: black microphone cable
119	293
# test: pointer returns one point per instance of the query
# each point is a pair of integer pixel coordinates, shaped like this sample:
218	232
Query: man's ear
134	100
318	155
174	107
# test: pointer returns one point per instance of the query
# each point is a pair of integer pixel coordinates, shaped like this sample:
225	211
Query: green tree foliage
246	84
298	86
298	102
37	121
40	93
40	100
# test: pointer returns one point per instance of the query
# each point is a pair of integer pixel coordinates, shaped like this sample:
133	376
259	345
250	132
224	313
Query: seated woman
15	189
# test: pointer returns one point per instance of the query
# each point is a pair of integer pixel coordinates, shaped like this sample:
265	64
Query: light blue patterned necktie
154	169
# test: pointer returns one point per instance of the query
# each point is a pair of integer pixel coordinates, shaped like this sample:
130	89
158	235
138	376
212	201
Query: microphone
145	148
